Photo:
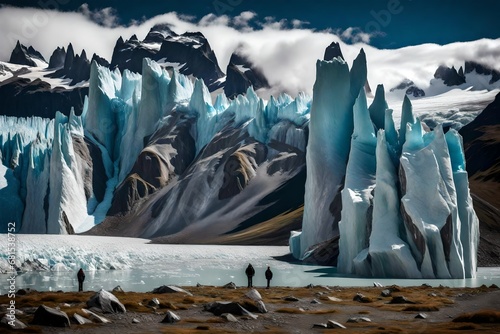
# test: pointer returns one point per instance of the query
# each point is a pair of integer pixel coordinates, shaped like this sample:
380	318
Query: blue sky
393	23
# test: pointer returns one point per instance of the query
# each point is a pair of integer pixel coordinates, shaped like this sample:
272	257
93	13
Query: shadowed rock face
22	55
333	51
450	76
471	66
241	74
240	168
57	58
168	153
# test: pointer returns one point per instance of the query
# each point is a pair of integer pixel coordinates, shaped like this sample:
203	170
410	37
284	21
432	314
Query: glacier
406	209
156	152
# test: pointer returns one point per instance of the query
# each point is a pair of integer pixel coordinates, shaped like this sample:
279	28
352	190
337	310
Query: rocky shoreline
231	309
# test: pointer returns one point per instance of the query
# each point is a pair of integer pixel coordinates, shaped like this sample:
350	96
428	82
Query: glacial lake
140	266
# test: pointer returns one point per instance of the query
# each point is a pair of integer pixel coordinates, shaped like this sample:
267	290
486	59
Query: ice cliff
406	209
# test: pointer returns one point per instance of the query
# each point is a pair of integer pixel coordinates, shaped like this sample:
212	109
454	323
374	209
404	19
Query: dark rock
170	289
421	316
47	316
106	302
118	289
230	285
359	297
95	317
218	308
320	325
309	286
57	58
359	319
401	300
333	51
315	301
158	33
24	56
325	253
449	76
154	302
471	66
493	286
377	285
386	293
242	74
425	285
415	91
171	318
334	324
291	299
81	320
229	317
12	324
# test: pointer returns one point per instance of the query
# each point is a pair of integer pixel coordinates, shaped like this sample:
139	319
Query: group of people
250	272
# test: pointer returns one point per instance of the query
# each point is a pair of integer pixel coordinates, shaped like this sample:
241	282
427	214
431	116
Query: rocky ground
290	310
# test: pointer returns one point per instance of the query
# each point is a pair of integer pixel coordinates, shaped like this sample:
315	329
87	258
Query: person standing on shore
269	276
250	272
81	278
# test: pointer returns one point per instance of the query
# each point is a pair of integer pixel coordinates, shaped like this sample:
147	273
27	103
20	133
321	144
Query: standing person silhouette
81	278
250	272
269	276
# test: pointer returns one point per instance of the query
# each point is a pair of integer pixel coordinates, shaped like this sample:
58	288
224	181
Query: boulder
229	317
361	298
218	308
401	300
315	301
421	316
135	321
359	319
171	318
170	289
230	285
118	289
81	320
334	324
291	299
377	285
320	325
48	316
95	317
154	302
261	306
254	295
12	324
386	293
107	302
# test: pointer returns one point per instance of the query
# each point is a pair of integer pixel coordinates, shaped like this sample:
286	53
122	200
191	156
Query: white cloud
106	16
285	51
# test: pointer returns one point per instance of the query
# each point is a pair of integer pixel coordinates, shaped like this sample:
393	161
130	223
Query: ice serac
357	194
389	255
429	204
331	127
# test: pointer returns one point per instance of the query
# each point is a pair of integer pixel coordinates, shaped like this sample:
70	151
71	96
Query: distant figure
269	276
81	278
250	272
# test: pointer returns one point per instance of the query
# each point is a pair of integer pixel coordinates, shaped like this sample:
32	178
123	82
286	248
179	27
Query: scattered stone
421	316
425	285
310	286
135	321
118	289
395	288
12	324
361	298
432	294
23	292
334	324
198	285
325	287
203	328
261	307
334	299
154	303
48	316
97	318
319	294
315	301
253	294
64	305
377	285
218	308
106	302
401	300
170	289
359	319
81	320
229	317
493	286
320	326
386	293
171	318
291	299
230	285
